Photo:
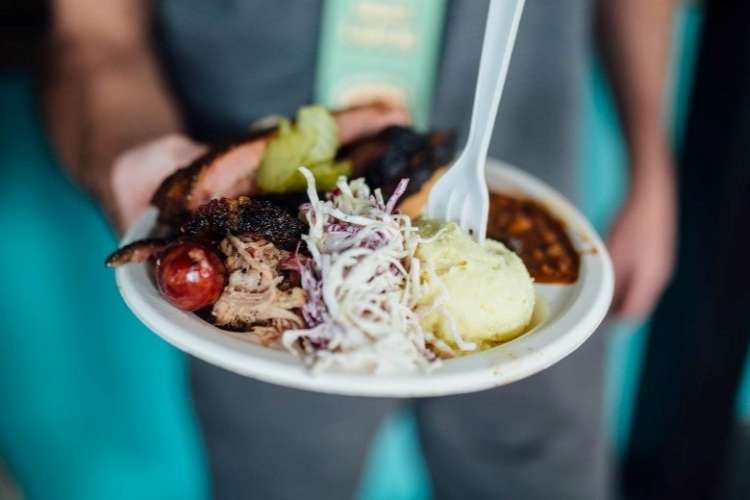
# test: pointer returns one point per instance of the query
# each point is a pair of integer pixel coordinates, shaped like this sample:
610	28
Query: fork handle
500	31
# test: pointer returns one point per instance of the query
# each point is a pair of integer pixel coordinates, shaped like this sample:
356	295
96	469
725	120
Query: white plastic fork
461	194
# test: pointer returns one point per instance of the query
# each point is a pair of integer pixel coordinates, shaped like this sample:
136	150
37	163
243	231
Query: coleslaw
362	283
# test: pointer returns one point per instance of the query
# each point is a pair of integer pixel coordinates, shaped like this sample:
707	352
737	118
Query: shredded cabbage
362	283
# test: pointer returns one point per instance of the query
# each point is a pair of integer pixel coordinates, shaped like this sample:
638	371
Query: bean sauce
537	236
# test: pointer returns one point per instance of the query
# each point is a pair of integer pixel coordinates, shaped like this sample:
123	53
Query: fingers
642	244
137	173
639	282
184	150
638	298
622	282
646	286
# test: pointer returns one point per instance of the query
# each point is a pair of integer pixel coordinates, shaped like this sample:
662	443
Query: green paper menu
380	50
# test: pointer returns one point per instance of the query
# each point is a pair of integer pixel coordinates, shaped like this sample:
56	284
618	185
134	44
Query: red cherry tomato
190	275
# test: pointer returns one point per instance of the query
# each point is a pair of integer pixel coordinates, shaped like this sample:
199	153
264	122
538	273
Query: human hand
642	240
137	173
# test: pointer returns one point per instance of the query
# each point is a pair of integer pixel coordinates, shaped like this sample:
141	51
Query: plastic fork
461	194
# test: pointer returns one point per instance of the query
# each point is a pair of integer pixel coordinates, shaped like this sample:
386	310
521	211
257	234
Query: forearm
100	98
635	40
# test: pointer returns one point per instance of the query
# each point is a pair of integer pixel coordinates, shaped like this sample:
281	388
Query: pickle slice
283	156
318	124
312	141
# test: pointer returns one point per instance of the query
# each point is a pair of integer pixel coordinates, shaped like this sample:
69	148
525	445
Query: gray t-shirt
233	61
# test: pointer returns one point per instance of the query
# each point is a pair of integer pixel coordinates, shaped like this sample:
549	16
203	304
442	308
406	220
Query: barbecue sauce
537	236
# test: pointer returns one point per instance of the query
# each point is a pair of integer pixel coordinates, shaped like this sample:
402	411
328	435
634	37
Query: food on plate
524	225
137	251
355	284
190	275
488	294
230	170
397	153
267	239
312	141
536	235
262	297
414	205
244	215
224	171
361	281
386	295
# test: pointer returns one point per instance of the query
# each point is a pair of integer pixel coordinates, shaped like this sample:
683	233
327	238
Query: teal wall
93	406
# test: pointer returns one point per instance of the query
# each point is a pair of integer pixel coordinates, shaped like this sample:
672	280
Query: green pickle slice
312	142
318	124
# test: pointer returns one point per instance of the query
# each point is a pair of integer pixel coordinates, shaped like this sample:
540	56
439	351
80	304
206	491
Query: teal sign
380	50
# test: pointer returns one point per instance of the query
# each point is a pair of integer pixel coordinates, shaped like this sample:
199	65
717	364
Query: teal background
93	406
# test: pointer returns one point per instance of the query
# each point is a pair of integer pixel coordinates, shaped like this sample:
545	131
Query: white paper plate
570	314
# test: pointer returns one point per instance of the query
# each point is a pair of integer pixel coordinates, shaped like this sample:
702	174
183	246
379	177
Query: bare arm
635	38
103	93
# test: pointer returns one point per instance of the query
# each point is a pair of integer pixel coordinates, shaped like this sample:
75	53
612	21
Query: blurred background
93	406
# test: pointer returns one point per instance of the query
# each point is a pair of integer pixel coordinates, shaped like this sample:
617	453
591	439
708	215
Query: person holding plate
135	89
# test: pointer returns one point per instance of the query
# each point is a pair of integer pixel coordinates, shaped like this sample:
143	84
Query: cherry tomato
190	275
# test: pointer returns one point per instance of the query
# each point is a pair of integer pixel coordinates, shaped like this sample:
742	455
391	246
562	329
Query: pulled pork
260	299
